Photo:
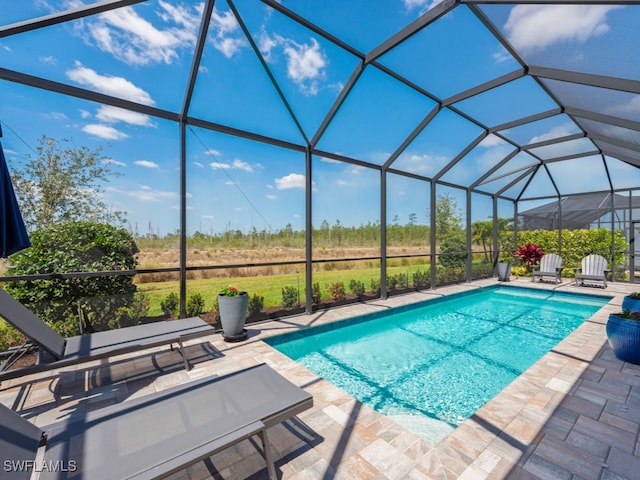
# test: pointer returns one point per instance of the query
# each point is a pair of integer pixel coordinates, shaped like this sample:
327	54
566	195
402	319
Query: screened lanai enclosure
314	140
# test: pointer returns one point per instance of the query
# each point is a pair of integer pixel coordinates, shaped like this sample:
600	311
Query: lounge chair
84	348
157	435
593	269
550	266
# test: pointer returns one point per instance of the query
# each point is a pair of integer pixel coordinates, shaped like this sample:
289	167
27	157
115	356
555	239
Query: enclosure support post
383	233
432	234
308	237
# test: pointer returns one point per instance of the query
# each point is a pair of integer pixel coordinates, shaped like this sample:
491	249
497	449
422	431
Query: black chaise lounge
153	436
84	348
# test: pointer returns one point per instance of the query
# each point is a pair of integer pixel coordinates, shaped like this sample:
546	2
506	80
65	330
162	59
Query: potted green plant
232	306
623	334
631	302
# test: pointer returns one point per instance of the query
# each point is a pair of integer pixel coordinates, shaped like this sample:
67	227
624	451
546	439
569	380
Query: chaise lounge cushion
162	433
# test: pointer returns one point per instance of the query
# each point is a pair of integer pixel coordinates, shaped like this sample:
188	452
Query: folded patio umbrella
13	234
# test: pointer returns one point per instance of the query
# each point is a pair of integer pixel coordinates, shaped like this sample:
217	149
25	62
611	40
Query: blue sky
143	53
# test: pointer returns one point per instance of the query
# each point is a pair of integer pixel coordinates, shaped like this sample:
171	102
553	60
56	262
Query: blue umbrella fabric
13	234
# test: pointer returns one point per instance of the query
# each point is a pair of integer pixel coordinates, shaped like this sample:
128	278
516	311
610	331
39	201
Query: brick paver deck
575	414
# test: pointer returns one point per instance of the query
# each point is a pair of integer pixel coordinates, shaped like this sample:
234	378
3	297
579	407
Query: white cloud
136	41
266	44
236	164
502	55
198	164
631	107
110	114
556	132
421	5
146	164
57	115
271	197
111	161
229	46
228	37
305	65
306	62
491	141
104	131
240	165
219	165
213	152
535	27
144	193
293	180
115	86
49	60
330	160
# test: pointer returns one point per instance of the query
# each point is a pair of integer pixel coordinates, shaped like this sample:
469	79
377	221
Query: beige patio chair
593	270
550	266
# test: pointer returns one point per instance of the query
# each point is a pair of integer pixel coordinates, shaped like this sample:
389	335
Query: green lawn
270	287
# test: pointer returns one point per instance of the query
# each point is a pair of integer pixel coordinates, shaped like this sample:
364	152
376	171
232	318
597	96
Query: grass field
268	286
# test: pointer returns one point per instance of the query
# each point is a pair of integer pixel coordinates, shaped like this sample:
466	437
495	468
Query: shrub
356	287
530	254
132	313
78	247
421	279
578	243
170	304
375	286
195	305
337	291
316	293
453	252
289	296
9	336
256	302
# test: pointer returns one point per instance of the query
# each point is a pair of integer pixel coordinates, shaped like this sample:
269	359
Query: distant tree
448	217
482	234
63	184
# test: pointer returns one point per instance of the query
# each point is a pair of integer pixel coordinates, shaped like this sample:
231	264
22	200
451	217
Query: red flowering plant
530	254
230	291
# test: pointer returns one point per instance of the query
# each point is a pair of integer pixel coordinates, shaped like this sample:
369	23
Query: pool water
430	366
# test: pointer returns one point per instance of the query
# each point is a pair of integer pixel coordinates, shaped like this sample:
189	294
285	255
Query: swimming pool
431	365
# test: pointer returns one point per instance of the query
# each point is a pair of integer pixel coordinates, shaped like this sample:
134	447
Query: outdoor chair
593	269
84	348
156	435
550	266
